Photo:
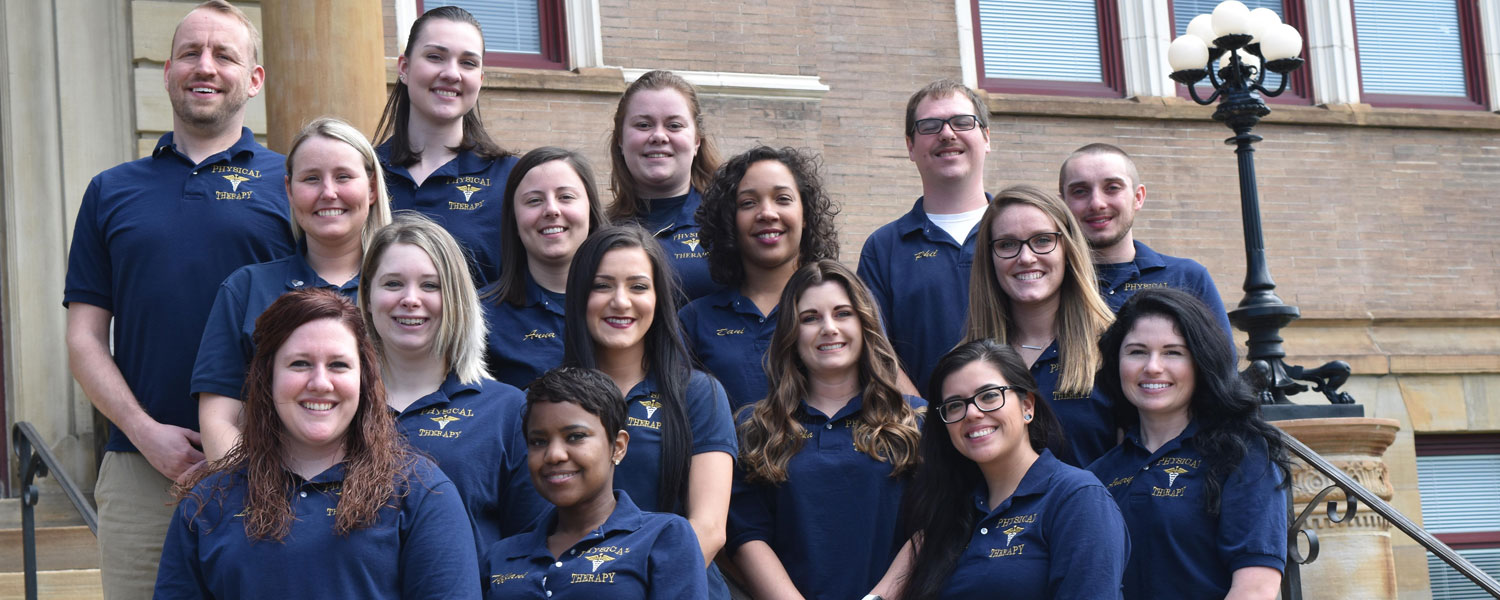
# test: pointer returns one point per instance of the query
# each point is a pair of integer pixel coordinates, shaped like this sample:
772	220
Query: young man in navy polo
1102	188
153	239
917	266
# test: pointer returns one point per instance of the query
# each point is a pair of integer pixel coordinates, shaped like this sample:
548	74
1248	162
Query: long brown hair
375	455
1082	314
886	428
627	205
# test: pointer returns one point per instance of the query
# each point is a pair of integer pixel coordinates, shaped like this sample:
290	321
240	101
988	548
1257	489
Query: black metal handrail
1354	495
36	460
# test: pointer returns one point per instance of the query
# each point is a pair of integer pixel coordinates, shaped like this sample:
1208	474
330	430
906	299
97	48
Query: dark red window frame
1470	43
554	40
1459	444
1299	82
1111	66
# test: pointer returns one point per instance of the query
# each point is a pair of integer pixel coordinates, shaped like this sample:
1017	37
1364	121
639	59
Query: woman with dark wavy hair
764	216
621	319
1200	476
825	457
436	154
991	508
660	159
319	477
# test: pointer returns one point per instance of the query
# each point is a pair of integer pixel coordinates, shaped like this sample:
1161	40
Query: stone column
1355	560
322	58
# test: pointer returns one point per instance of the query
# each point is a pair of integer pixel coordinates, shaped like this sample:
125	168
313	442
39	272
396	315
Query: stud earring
617	462
1028	418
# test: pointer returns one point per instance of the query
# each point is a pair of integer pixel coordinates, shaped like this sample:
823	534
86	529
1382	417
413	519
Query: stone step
52	509
77	584
58	548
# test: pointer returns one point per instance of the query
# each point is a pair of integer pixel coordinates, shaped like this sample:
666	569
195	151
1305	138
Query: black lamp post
1248	45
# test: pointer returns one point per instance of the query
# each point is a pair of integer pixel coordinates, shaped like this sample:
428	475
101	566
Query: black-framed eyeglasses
987	399
957	122
1041	243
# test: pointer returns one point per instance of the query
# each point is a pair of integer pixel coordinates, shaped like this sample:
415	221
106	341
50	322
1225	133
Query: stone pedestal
1355	560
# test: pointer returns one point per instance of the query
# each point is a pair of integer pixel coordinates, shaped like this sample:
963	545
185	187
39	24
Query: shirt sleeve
90	273
873	274
180	573
1252	516
1209	293
224	352
522	503
1089	546
676	564
751	513
708	410
434	561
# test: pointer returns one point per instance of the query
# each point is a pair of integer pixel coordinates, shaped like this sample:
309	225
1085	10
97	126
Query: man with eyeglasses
918	265
1102	188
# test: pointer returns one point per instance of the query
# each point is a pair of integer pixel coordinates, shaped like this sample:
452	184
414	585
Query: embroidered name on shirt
537	335
500	578
1167	492
1007	551
723	331
1119	481
1131	287
592	578
926	254
1177	460
251	173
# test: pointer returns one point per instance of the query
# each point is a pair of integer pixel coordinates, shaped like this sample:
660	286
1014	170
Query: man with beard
153	240
1103	190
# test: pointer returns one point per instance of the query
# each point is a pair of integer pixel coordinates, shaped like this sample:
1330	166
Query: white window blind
1448	584
1183	11
511	26
1410	47
1459	493
1053	40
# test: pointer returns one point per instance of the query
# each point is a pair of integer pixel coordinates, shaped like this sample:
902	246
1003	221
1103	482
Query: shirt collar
1146	258
644	389
1133	436
301	275
848	410
245	145
732	299
916	220
1036	482
445	393
536	296
626	517
679	216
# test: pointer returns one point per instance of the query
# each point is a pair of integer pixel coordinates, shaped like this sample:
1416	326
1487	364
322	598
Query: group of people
433	368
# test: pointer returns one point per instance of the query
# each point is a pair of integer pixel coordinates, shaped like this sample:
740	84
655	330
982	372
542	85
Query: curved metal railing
1355	495
37	461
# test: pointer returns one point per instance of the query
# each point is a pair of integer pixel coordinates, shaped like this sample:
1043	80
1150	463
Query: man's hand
169	448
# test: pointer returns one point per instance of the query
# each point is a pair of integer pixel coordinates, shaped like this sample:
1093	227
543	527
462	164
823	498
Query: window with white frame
1458	476
1067	47
1420	54
517	33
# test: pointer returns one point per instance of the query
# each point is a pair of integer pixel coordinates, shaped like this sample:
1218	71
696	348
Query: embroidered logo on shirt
500	578
444	417
1010	534
235	176
651	406
689	239
234	181
598	558
537	335
467	186
444	420
926	254
1172	474
468	191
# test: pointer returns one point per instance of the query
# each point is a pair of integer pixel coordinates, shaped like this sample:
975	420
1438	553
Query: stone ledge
596	80
1395	346
1182	109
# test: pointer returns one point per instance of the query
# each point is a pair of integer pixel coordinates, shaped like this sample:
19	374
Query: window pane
1458	492
511	26
1183	12
1054	40
1410	47
1449	584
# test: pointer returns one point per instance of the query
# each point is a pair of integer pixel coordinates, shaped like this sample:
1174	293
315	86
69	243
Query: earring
1028	418
617	462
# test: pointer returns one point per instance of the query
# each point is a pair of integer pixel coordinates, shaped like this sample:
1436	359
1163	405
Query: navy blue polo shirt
473	431
835	514
1058	536
524	341
634	554
729	337
671	221
417	547
1088	422
228	344
708	417
153	239
1118	282
1180	550
919	276
465	196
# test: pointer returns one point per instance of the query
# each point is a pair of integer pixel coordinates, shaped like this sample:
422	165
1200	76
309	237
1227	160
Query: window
517	33
1065	47
1457	476
1290	12
1420	54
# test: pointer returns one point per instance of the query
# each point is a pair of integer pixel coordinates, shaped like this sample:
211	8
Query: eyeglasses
957	122
1041	243
987	399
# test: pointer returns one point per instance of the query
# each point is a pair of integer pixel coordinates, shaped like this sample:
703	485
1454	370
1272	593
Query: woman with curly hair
321	497
1200	476
1033	289
764	216
826	456
660	159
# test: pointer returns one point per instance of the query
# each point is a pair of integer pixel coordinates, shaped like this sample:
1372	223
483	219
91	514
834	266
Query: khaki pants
135	508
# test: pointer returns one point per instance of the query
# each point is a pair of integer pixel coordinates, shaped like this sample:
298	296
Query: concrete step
58	548
52	509
78	584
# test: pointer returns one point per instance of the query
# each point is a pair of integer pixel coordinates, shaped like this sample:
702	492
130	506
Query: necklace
1033	347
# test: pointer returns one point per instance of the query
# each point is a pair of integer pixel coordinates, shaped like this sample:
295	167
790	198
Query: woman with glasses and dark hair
621	319
1200	476
764	216
435	152
552	208
660	160
320	497
825	457
1033	289
991	508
